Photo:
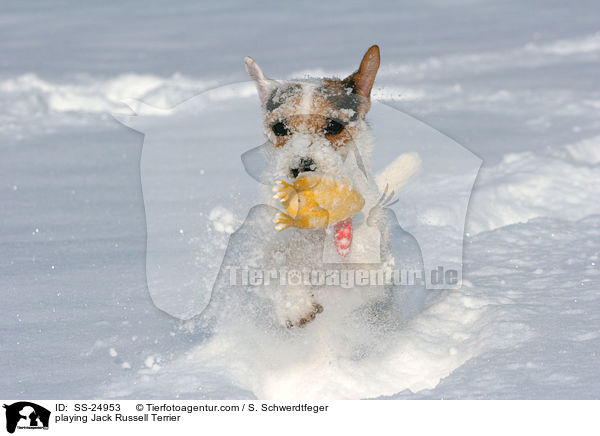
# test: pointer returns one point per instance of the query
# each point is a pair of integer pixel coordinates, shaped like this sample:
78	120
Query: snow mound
584	47
28	94
316	364
568	46
586	151
529	185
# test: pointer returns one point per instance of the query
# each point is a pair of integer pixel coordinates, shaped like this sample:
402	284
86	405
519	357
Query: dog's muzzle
306	164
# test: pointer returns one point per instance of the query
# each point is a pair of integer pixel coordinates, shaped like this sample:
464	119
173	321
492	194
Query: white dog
319	126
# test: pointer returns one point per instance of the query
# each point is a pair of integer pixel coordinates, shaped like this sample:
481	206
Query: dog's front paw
283	191
282	221
316	309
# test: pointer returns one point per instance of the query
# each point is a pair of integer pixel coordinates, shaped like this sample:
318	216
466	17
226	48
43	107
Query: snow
513	82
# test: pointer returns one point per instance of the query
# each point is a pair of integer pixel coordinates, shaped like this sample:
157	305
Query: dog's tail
398	173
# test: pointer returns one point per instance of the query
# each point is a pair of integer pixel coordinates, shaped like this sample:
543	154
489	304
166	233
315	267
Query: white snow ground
515	82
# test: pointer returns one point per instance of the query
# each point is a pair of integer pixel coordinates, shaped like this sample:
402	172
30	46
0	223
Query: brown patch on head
342	98
331	108
361	82
281	94
310	109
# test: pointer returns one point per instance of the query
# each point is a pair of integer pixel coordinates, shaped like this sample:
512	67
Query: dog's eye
334	127
280	129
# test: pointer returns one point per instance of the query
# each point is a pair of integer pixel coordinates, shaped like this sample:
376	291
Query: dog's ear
264	85
361	82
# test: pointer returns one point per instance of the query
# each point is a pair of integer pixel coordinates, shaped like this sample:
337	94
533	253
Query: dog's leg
295	306
316	309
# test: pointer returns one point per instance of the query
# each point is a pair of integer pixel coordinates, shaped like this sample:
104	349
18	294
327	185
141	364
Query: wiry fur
306	111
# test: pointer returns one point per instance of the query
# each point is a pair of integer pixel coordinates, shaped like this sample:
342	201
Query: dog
320	126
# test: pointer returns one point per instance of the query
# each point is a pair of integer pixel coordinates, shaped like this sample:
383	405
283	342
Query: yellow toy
316	201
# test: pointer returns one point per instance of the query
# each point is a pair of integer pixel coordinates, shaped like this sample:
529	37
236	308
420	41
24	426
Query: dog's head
312	124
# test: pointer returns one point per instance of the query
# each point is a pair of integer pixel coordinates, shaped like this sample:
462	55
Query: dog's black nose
306	164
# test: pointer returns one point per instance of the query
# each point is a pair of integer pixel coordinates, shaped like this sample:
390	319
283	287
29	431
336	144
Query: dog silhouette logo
26	415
